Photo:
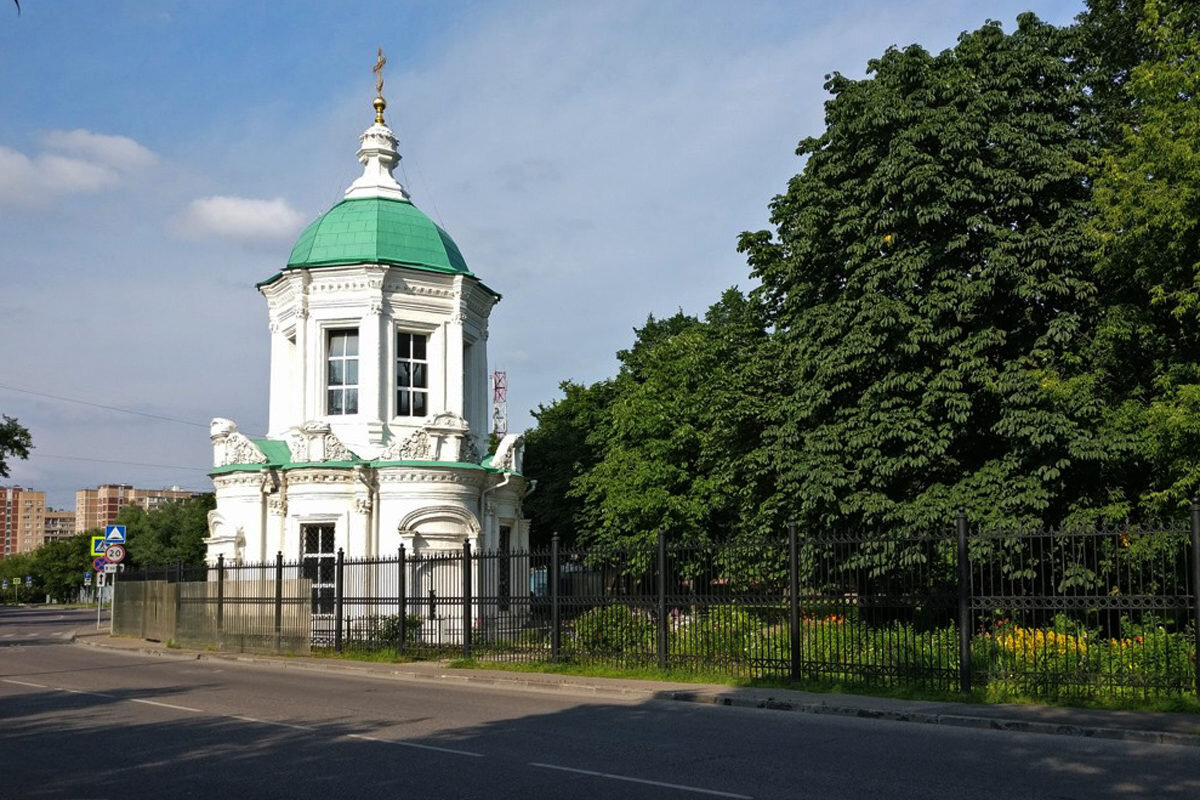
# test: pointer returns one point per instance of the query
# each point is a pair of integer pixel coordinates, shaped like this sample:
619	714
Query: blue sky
595	162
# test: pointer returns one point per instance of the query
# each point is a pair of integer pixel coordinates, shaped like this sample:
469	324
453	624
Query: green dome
377	230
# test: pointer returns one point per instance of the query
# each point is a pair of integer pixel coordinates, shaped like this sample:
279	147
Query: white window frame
328	332
423	365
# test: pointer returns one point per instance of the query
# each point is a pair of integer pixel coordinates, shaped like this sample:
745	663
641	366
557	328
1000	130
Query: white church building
379	394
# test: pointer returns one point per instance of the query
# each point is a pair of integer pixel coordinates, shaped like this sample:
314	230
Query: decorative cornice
230	479
410	475
321	475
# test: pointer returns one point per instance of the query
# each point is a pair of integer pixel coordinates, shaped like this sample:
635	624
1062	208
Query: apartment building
95	508
59	525
22	519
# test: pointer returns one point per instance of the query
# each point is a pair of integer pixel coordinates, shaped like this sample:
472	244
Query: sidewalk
1138	726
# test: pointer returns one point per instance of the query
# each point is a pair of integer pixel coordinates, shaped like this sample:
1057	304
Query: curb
950	720
688	696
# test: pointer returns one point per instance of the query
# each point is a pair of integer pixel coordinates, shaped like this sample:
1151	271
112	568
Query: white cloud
118	152
242	219
80	162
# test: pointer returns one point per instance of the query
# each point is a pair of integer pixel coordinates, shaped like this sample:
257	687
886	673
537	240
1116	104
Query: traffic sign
87	574
114	534
87	578
109	569
99	545
4	584
98	563
99	579
29	580
115	554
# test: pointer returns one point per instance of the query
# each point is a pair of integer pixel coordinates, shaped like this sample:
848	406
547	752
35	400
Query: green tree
681	438
15	442
557	452
14	568
929	285
60	565
1147	231
172	533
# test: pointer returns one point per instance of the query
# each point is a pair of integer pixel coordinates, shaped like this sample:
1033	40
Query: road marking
81	691
609	775
271	722
165	705
24	683
415	745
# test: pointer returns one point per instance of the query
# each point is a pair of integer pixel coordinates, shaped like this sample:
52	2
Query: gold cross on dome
378	70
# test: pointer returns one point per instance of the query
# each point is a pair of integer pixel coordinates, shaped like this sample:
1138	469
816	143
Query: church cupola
378	327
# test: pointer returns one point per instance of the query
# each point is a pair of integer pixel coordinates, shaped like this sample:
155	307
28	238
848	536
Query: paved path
129	720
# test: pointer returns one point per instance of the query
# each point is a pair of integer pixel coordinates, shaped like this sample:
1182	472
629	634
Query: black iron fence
1087	614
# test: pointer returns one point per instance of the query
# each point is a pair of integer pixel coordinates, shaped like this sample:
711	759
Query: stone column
303	380
372	352
281	397
454	364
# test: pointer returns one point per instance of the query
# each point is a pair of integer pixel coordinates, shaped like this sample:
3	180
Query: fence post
220	595
278	597
178	598
964	606
662	600
338	596
403	604
555	632
1196	587
466	600
794	599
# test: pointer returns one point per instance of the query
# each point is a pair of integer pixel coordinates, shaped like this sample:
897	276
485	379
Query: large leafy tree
681	439
557	451
1148	236
929	285
171	534
60	564
15	442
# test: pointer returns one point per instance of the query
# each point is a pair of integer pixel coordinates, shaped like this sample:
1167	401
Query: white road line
270	722
610	776
165	705
81	691
415	745
24	683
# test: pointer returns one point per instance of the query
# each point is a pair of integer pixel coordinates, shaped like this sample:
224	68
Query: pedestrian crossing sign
99	545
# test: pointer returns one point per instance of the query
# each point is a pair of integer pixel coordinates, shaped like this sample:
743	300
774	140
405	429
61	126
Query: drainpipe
484	493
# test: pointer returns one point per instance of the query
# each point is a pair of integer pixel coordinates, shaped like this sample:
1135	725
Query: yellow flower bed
1030	643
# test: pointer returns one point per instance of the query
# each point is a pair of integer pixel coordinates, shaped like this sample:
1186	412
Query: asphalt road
81	722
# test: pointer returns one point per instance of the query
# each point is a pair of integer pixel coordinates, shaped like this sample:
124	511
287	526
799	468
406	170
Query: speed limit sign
114	553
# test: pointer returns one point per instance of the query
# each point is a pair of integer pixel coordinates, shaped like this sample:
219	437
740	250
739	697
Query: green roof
377	230
280	457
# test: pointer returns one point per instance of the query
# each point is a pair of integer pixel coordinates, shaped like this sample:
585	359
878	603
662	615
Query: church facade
378	408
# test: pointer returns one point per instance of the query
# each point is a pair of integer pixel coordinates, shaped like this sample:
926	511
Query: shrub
610	630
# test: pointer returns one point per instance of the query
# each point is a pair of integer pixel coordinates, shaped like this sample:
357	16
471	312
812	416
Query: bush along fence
1103	614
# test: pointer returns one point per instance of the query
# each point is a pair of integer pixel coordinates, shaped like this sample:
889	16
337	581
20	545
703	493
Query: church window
319	562
412	375
342	373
